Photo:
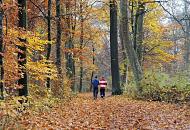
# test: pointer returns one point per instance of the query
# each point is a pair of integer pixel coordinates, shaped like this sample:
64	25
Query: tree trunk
58	42
116	90
81	46
70	64
187	38
124	76
1	51
49	37
93	62
140	34
133	59
22	23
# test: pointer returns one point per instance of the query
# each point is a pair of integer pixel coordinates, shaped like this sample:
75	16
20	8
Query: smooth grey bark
187	38
49	37
140	33
81	46
58	42
132	56
22	23
1	51
137	29
116	90
124	76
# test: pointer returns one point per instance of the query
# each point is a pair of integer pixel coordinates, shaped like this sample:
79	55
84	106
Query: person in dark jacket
95	84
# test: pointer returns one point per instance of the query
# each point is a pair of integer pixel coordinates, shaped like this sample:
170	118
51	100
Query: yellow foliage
37	66
156	46
41	69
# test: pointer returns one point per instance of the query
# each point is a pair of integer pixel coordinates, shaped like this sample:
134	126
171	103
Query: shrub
157	86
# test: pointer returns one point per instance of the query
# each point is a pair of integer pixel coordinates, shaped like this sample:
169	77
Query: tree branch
39	9
176	19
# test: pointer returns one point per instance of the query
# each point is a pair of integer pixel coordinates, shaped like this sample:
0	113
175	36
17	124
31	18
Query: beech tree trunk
140	34
132	56
187	38
116	90
1	51
124	76
22	23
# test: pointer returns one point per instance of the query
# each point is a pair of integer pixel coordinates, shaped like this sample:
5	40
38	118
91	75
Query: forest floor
113	112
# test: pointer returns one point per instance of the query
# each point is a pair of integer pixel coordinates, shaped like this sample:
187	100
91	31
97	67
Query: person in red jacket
102	84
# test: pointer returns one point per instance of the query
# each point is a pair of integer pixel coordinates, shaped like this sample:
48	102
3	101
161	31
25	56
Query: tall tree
124	75
49	36
93	62
81	45
114	49
22	23
132	56
69	45
58	42
187	37
138	35
1	50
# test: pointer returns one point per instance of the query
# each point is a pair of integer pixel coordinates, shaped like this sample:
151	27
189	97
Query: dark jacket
95	83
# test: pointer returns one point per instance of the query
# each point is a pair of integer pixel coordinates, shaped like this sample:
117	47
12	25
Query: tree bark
140	34
116	90
93	62
187	38
81	46
70	64
58	42
49	37
132	56
124	76
22	23
1	51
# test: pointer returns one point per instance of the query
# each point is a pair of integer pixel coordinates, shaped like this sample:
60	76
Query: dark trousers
95	92
102	92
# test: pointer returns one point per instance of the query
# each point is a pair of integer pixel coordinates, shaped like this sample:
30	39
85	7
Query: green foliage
157	86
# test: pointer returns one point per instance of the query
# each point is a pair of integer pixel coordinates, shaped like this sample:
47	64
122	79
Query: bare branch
38	8
176	19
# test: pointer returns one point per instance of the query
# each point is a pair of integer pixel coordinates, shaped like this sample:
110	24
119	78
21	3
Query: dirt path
113	112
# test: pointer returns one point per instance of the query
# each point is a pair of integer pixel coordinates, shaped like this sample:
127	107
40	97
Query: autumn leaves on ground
113	112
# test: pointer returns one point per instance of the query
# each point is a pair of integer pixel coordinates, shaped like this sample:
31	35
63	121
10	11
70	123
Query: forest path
113	112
